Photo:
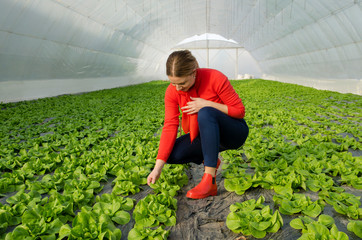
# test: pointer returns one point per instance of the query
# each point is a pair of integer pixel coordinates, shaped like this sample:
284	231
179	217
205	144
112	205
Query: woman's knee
206	113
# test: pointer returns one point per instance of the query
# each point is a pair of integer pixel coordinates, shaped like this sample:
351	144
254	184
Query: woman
212	117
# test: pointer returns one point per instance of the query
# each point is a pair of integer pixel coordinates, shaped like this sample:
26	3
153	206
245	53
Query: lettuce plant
128	181
148	233
290	204
35	224
80	196
154	210
343	203
20	202
7	218
323	228
43	186
253	218
125	188
10	182
239	184
114	207
355	227
89	225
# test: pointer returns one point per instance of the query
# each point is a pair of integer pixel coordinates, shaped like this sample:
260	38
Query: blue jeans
218	132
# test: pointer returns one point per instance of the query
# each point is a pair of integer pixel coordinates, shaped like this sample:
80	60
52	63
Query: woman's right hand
156	172
154	175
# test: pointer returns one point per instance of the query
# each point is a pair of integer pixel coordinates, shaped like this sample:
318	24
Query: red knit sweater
210	85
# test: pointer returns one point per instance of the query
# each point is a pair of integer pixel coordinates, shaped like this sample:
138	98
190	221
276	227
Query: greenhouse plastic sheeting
45	40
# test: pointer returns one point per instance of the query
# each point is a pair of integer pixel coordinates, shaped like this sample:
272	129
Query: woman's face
183	83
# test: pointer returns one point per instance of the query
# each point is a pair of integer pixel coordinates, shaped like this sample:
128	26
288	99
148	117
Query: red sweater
210	85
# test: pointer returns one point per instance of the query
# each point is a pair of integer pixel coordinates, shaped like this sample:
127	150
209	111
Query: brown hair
181	64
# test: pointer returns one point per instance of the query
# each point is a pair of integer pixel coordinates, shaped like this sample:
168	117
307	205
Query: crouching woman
212	118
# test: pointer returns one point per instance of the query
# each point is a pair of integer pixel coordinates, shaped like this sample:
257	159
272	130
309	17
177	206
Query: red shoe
207	187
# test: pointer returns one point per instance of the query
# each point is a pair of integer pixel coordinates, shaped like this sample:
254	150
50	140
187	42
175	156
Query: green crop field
58	154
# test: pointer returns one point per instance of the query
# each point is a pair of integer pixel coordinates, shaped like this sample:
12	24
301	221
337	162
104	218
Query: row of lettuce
57	154
300	140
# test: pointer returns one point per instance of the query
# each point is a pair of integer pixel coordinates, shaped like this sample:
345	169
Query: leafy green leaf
317	229
121	217
355	227
297	223
64	231
312	210
257	233
260	226
326	220
283	190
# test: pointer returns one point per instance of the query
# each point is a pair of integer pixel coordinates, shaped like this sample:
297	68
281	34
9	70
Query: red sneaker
207	187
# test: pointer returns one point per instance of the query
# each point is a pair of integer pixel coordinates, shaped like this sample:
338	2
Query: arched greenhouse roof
50	47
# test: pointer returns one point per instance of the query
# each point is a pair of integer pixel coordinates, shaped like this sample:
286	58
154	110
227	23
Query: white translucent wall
51	47
316	43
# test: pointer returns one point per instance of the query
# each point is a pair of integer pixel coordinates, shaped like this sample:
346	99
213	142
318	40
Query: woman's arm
168	135
196	104
170	126
230	98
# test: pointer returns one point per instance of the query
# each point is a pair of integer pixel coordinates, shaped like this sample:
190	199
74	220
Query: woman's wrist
159	164
219	106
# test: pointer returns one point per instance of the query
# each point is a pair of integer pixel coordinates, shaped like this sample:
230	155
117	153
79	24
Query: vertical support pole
236	62
207	54
207	23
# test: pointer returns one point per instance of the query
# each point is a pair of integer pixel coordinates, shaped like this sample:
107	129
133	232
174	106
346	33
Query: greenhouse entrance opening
215	51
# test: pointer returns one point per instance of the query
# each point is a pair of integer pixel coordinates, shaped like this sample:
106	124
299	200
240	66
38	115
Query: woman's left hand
195	105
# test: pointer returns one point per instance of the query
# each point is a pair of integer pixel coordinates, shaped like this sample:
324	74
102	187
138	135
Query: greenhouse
86	89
